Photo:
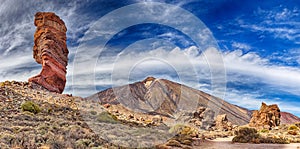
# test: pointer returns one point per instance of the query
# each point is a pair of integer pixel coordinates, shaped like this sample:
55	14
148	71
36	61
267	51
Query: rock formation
267	117
202	118
222	123
50	50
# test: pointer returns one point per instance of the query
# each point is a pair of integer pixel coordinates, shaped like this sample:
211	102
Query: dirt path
225	143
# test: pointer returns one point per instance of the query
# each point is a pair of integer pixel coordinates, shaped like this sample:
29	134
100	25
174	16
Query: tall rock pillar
50	50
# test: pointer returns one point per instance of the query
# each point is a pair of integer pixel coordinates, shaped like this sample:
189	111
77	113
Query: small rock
107	105
130	116
157	119
173	143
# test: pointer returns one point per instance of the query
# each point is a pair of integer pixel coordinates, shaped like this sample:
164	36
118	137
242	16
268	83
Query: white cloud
236	62
278	13
289	57
250	67
284	77
253	100
17	34
241	46
17	30
280	22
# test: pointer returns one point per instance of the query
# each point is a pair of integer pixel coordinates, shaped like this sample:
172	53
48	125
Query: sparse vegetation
93	112
293	127
297	124
183	135
83	143
246	135
30	107
59	126
250	135
264	131
274	140
183	130
106	117
293	132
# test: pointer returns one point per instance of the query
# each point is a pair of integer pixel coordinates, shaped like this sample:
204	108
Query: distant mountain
167	98
288	118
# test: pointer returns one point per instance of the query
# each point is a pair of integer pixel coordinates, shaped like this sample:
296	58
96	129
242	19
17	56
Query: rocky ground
58	123
36	118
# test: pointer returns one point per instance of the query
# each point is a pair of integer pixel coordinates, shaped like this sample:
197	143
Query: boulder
266	118
203	118
222	123
50	50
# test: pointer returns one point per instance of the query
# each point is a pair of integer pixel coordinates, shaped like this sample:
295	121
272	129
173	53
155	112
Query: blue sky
259	43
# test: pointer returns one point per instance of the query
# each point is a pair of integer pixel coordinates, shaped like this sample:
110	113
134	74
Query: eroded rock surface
50	50
267	117
222	123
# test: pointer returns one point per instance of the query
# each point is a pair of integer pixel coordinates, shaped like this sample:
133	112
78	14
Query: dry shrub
293	127
293	132
250	135
246	135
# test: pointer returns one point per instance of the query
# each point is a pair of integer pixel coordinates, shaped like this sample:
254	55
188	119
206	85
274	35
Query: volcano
167	98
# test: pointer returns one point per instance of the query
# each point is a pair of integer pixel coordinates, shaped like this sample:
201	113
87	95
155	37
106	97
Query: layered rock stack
267	117
50	50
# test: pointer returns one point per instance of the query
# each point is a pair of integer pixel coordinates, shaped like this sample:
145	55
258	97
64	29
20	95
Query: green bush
106	117
297	124
30	107
293	127
93	112
264	131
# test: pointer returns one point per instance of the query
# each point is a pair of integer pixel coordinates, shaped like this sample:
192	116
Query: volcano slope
169	99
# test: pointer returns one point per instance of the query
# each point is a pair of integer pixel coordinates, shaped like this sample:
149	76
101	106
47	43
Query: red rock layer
288	118
50	50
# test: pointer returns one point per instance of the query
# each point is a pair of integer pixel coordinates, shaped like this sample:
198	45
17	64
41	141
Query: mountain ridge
175	97
146	95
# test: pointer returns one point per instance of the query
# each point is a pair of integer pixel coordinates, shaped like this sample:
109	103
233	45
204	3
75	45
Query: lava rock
50	50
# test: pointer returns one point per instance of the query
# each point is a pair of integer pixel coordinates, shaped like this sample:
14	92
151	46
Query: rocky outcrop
222	123
50	50
267	117
204	118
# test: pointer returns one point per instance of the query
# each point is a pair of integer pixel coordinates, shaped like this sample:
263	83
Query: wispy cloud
241	46
252	100
167	61
283	77
16	34
280	21
289	57
193	70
